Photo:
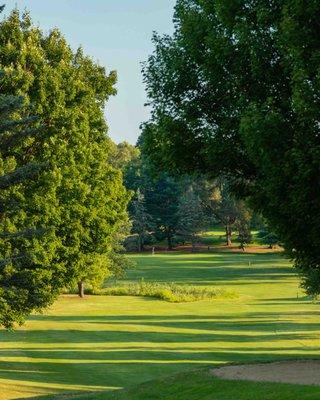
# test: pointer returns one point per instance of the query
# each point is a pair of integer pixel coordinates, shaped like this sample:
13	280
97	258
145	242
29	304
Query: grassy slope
111	342
200	385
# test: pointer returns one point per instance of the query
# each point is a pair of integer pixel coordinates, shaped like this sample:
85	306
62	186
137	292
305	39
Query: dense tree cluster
235	93
177	208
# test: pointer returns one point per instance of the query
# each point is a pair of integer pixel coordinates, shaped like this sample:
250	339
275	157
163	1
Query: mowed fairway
102	343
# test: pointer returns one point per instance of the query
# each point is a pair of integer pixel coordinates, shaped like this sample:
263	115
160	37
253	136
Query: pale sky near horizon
117	33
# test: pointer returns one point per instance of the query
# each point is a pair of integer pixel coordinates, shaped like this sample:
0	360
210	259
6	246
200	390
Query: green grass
108	342
217	237
170	292
200	385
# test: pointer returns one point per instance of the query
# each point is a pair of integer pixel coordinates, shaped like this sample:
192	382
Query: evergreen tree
26	248
191	214
141	220
244	233
162	201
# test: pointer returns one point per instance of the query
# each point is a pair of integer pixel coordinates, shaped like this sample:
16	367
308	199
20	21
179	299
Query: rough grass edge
169	292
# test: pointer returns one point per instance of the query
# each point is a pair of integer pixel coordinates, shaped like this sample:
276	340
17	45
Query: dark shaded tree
235	92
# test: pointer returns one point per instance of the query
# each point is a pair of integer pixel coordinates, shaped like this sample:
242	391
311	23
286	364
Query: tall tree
162	200
192	215
235	91
68	92
142	222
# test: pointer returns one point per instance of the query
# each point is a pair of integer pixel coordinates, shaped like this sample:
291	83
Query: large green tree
235	91
68	92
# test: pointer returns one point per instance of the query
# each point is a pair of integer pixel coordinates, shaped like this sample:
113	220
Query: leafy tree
68	92
122	154
221	206
234	91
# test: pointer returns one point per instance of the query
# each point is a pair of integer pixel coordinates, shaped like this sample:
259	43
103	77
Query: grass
109	342
216	237
200	385
170	292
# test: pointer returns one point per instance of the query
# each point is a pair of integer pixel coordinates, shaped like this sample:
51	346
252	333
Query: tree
191	214
221	206
234	92
122	154
245	236
269	238
162	200
27	246
160	196
68	92
142	222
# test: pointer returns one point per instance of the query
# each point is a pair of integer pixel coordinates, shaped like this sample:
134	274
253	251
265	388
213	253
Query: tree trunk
228	235
81	289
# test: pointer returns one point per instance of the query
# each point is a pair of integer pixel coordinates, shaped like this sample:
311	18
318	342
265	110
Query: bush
170	292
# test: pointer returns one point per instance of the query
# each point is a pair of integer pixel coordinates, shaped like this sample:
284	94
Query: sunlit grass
105	342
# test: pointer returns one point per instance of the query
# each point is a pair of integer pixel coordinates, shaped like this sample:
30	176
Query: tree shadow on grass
126	347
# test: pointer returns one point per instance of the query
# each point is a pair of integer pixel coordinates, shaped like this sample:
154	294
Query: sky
117	34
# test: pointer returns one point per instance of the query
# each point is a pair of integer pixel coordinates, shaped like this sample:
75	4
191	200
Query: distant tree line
176	209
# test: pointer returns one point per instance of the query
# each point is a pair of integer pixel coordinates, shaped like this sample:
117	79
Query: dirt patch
297	372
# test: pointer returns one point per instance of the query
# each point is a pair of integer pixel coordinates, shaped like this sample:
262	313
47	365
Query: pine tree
192	217
25	271
141	219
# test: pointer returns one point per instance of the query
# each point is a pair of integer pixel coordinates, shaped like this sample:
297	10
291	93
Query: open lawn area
102	343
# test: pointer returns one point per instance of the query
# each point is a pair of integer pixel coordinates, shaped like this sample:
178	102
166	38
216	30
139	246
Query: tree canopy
80	196
235	92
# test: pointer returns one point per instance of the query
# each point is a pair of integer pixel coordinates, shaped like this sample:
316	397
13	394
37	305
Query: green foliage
170	292
245	236
156	200
234	92
27	245
269	238
122	154
82	197
191	214
222	207
142	222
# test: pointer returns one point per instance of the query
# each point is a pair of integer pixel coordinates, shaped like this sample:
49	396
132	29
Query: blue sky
117	33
